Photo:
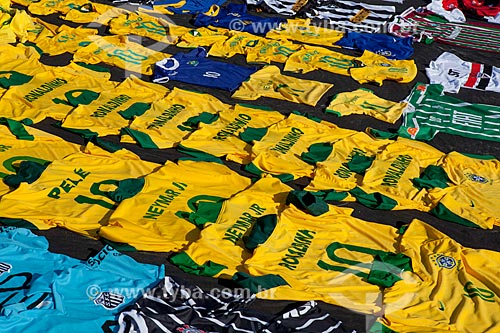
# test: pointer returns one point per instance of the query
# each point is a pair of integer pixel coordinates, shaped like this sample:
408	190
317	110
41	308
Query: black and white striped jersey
340	14
173	306
352	16
283	7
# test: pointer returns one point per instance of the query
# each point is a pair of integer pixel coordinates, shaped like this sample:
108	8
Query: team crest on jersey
385	53
5	267
477	178
189	329
193	63
444	261
109	300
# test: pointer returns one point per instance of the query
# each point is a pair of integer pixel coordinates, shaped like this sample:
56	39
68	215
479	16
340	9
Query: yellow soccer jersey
220	138
257	49
278	152
391	173
92	12
6	33
115	109
156	219
220	250
119	51
173	118
268	50
364	101
312	58
18	70
472	196
237	43
302	31
269	82
20	51
376	68
43	148
51	94
326	257
145	25
30	29
74	192
452	288
333	172
67	39
46	7
204	36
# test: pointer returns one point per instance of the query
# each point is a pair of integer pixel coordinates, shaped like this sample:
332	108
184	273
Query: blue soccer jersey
235	17
194	68
390	47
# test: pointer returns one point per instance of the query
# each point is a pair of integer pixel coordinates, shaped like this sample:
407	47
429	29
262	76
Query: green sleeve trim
19	223
333	195
197	155
142	138
380	328
480	157
95	68
335	113
86	134
378	134
33	45
387	268
285	177
261	231
374	200
308	116
17	128
127	188
444	213
305	200
90	136
402	229
13	79
257	107
258	284
188	265
253	134
135	110
317	152
360	163
252	168
433	177
28	172
122	247
107	145
204	117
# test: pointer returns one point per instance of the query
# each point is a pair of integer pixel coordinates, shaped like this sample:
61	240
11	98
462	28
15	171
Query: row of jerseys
375	65
116	195
36	91
86	100
263	140
263	238
343	15
111	292
421	24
